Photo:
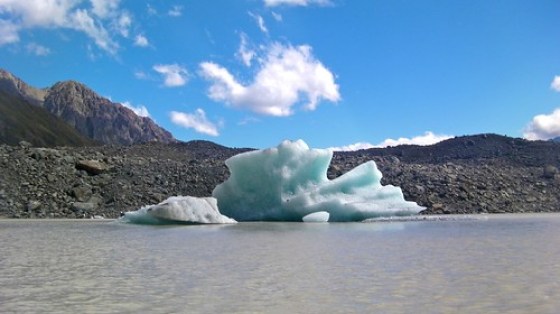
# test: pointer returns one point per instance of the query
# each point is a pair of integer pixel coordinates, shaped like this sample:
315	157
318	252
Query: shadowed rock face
91	115
20	120
100	119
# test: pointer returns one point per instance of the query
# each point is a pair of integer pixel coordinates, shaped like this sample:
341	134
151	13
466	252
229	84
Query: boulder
550	171
33	205
92	167
82	193
82	206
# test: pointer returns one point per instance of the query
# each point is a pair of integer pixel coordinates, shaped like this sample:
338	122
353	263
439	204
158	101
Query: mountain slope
12	85
20	120
84	110
515	151
100	119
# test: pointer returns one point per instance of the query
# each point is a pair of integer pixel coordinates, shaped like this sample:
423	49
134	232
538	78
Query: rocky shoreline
82	182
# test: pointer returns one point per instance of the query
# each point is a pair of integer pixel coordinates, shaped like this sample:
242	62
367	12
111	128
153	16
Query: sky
347	74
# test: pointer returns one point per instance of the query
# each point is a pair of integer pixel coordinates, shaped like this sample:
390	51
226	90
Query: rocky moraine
475	174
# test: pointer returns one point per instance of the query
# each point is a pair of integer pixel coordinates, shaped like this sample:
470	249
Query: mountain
100	119
12	85
93	116
477	148
20	120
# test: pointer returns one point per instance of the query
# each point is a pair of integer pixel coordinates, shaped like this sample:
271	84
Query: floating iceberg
179	209
289	182
316	217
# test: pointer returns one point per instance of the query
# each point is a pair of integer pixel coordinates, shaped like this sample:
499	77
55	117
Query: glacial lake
490	264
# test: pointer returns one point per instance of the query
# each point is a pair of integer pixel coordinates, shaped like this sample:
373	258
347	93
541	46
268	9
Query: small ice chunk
179	209
316	217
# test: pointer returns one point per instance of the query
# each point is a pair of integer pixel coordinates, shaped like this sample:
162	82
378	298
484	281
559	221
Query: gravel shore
72	182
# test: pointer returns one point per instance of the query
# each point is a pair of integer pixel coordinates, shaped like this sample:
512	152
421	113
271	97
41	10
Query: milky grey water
495	265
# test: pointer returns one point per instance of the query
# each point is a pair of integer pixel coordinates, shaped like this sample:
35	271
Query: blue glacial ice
285	183
289	182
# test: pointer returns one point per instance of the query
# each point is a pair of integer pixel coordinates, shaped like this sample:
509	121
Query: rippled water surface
498	264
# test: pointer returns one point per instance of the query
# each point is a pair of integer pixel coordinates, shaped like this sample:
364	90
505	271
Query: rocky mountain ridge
21	120
472	174
91	115
14	86
485	173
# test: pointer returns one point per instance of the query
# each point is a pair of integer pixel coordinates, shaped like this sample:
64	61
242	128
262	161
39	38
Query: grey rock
82	193
33	206
83	207
550	171
25	144
96	199
92	167
68	159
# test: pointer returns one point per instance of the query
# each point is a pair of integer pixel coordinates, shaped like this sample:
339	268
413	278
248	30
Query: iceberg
289	183
316	217
177	210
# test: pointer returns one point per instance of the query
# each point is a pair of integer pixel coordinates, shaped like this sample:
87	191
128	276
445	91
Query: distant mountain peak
99	118
94	116
71	84
21	120
13	85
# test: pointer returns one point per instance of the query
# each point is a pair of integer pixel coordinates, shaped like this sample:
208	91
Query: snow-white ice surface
316	217
179	209
289	182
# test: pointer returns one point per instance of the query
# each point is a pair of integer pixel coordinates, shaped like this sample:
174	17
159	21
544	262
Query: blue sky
250	73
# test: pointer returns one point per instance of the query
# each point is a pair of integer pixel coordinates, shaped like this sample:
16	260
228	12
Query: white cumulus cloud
245	53
37	13
273	3
151	10
141	75
174	75
353	147
81	20
286	76
104	8
428	138
196	121
122	24
543	126
37	49
175	11
141	41
140	110
260	22
98	19
277	16
555	85
8	32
